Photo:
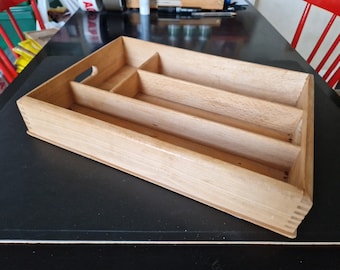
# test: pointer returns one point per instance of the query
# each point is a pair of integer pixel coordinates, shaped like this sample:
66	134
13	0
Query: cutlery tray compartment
233	135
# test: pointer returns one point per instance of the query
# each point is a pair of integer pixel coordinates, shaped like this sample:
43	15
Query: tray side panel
57	90
301	174
248	195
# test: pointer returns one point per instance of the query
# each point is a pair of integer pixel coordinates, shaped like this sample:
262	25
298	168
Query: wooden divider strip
250	79
184	143
264	113
249	145
153	64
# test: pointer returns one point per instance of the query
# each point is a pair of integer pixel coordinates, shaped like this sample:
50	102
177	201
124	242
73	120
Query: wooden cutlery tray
233	135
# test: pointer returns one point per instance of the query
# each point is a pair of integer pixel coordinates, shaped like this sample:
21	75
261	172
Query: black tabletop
52	196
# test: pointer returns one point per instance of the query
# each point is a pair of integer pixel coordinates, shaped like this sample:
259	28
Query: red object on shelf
5	5
332	6
5	64
3	83
7	67
7	39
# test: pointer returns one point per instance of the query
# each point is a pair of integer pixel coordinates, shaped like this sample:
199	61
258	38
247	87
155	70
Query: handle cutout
87	74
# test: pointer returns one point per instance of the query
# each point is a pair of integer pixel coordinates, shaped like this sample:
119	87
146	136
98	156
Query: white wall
284	15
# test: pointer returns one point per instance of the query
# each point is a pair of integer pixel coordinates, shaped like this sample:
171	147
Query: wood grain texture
241	143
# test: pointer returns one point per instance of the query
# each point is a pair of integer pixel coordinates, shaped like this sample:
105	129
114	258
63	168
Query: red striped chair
332	75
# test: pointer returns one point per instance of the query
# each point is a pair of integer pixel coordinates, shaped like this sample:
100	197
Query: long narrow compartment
221	137
184	143
260	116
249	79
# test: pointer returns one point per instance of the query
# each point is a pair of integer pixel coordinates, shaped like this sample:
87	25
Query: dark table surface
54	197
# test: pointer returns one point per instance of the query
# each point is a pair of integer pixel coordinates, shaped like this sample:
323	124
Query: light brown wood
181	142
203	4
259	112
217	135
237	141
